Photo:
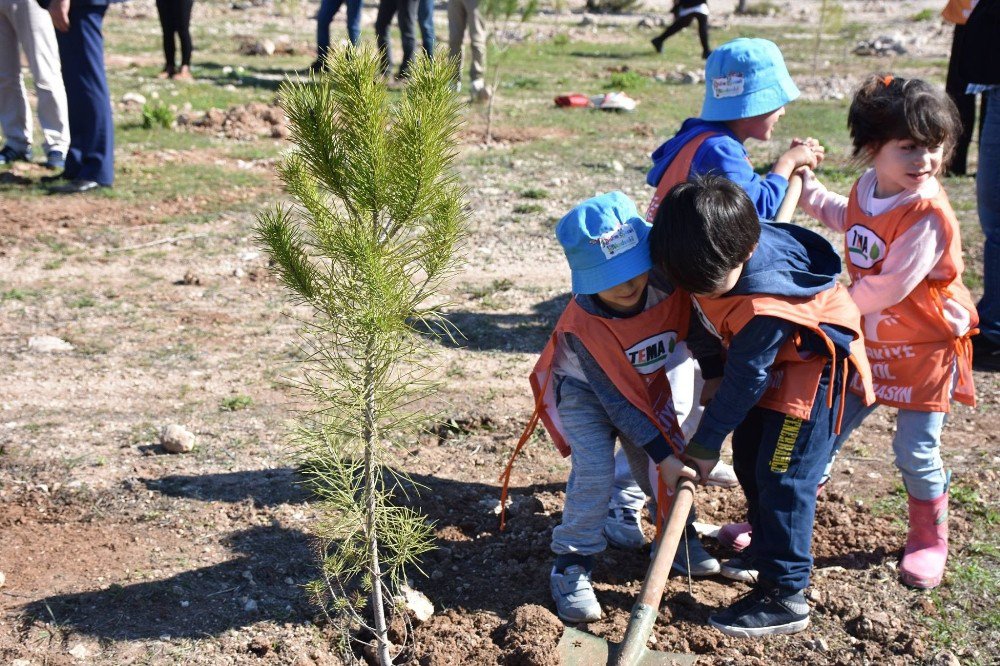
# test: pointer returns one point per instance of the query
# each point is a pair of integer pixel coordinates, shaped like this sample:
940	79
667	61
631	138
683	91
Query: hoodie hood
665	154
788	261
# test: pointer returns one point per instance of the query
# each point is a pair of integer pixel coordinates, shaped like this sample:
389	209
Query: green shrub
157	115
612	6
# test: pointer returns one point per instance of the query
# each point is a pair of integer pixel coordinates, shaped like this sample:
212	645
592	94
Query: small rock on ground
176	438
48	343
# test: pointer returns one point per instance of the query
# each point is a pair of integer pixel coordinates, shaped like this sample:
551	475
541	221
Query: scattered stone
417	603
814	595
820	645
945	658
190	278
47	344
135	98
882	45
3	579
250	606
20	662
259	646
617	166
176	439
692	77
259	47
79	652
587	20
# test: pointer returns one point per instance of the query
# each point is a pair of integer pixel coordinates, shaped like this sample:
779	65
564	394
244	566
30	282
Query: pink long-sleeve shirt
916	253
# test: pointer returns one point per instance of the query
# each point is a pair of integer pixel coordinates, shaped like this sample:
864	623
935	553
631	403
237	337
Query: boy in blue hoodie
770	293
746	89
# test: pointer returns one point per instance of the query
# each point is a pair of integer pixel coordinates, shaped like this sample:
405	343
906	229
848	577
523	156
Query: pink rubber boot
735	535
926	544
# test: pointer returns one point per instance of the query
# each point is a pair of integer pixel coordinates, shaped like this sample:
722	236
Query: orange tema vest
957	11
794	378
631	351
677	172
911	347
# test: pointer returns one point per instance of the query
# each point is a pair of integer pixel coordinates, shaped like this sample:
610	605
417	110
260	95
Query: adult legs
327	10
168	25
184	8
425	17
703	34
407	19
92	132
477	37
38	40
383	19
15	115
354	21
679	24
457	18
988	202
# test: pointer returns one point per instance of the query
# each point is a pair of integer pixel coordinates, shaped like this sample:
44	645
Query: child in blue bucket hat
747	87
605	377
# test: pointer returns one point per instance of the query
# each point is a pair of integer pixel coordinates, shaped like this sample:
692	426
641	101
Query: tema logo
864	247
651	354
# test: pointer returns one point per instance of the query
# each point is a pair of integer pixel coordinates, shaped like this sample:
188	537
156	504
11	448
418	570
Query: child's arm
630	421
751	354
727	157
821	204
912	257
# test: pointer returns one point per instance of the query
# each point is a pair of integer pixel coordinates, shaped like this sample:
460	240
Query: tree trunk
742	7
370	473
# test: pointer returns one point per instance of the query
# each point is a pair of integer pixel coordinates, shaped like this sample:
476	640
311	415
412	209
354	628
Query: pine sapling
365	248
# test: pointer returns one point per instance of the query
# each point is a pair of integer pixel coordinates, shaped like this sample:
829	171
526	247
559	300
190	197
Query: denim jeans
988	200
916	446
407	10
779	460
327	10
425	18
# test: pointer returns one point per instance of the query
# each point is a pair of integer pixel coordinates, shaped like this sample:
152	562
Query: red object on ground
576	99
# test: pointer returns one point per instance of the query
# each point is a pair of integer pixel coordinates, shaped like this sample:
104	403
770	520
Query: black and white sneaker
764	611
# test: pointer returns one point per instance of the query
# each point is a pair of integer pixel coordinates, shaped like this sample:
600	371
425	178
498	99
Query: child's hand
804	155
672	470
819	151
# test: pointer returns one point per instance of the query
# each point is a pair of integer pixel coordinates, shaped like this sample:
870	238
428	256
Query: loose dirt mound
243	122
532	637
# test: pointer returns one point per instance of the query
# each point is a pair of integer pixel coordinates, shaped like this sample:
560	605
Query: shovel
578	648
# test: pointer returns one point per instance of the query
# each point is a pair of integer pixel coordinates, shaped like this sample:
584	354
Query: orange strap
528	430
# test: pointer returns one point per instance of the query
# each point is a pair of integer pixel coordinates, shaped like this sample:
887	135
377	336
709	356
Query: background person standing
24	23
175	18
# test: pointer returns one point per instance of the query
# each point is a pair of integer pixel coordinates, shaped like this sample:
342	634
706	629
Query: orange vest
631	351
957	11
677	172
910	345
794	378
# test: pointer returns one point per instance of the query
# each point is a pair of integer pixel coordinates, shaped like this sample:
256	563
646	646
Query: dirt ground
113	551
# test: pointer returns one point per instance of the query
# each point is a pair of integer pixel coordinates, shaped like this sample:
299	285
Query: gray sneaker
737	568
623	530
701	564
574	595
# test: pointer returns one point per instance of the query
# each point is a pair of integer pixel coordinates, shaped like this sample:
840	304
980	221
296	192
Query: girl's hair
889	107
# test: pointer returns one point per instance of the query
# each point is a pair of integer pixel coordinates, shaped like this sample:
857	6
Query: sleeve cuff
700	452
658	448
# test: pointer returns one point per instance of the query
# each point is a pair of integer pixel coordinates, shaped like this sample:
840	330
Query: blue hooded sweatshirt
723	155
788	261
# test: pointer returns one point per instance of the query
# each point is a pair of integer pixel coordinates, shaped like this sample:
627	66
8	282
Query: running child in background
904	258
603	377
684	12
770	293
746	89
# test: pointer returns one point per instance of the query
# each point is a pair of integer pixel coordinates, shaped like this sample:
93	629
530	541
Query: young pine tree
367	245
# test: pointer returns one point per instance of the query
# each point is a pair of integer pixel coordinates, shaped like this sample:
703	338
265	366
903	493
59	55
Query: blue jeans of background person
988	200
91	153
327	10
407	10
779	460
916	446
425	17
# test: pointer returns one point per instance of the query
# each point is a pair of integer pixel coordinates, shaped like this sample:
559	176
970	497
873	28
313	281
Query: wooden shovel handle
791	200
659	570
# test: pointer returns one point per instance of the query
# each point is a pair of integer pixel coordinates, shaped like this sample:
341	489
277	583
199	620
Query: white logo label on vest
651	354
864	247
730	85
618	241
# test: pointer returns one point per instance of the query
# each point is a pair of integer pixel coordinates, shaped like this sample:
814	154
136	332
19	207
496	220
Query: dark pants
779	460
175	18
327	10
407	10
91	153
684	21
955	86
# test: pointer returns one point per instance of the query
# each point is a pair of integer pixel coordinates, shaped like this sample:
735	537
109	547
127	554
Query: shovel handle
659	570
791	200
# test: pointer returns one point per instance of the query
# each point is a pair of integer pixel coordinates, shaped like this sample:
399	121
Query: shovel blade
578	648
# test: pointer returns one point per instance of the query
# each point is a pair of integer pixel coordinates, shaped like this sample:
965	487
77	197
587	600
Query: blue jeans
988	200
779	460
425	18
91	153
327	10
407	10
916	446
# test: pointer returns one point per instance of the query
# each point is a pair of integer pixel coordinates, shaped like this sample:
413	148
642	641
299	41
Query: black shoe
317	66
985	354
764	611
54	177
9	155
77	186
657	43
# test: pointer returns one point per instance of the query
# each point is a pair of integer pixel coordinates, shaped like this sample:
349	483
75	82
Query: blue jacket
788	261
723	155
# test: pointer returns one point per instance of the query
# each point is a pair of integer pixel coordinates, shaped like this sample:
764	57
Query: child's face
901	164
757	127
731	279
626	296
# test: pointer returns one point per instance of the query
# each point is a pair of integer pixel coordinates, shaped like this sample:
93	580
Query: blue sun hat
746	78
606	242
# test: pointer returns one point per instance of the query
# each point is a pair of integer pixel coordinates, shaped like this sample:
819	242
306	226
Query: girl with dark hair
904	258
175	18
684	12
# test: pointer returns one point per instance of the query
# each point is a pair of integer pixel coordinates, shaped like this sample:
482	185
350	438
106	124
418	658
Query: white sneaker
736	568
574	595
623	530
480	91
723	476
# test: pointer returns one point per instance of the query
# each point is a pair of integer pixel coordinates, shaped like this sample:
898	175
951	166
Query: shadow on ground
518	333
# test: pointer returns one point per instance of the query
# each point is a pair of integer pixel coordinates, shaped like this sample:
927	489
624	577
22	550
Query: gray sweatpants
24	23
462	14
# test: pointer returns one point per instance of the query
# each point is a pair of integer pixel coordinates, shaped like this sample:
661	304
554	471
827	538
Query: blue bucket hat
606	242
746	78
